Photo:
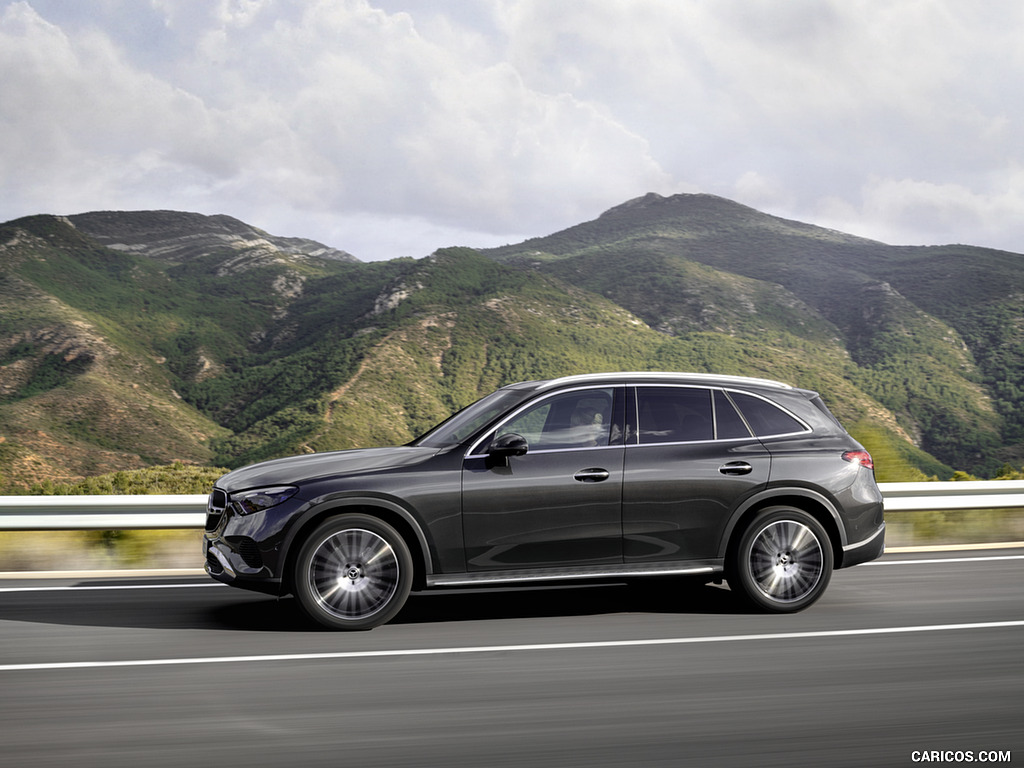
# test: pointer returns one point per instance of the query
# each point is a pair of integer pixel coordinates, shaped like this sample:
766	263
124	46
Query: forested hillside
137	339
933	334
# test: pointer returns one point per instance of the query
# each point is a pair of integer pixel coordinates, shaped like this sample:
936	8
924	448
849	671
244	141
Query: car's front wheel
783	561
353	572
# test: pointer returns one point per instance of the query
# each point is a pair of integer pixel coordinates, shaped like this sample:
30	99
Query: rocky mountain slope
176	237
131	339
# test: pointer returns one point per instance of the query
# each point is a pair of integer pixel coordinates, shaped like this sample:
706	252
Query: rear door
689	461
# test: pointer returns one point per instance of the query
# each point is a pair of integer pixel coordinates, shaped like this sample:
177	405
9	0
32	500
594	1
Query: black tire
353	572
782	562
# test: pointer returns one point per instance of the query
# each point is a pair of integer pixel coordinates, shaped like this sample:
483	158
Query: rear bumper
865	550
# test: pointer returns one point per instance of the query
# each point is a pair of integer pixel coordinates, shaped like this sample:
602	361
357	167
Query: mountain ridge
905	352
152	234
138	338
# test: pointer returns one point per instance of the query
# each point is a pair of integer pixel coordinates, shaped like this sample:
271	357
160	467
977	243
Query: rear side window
765	418
674	415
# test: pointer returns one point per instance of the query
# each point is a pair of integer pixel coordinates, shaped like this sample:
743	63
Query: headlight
259	499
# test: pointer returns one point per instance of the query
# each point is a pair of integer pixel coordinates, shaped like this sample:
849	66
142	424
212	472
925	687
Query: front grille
247	550
215	508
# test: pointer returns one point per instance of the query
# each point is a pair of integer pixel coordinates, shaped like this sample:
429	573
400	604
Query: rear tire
353	572
783	561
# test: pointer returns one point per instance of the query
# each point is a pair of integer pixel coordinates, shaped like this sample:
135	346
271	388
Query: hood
297	469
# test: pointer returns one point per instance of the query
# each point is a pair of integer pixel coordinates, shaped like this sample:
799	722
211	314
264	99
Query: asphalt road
913	653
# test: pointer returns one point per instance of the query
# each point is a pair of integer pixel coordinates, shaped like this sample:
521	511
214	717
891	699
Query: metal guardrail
99	513
973	494
88	513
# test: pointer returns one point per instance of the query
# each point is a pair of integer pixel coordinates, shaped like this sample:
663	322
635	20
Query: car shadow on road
659	596
237	610
654	596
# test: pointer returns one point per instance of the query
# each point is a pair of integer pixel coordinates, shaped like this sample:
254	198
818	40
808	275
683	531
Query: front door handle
593	475
736	468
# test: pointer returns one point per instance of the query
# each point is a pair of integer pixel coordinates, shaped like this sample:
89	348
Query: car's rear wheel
353	572
783	561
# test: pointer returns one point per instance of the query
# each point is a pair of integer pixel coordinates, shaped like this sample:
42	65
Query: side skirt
479	578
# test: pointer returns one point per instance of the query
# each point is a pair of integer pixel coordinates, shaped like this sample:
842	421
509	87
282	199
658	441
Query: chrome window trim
534	451
636	385
714	415
694	442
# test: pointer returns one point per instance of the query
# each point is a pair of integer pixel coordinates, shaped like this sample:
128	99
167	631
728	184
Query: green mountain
137	339
935	335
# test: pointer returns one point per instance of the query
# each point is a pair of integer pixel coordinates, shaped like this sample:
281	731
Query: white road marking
955	547
505	648
933	561
99	587
103	574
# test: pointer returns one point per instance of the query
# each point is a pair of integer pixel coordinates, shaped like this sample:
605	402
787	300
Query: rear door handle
736	468
593	475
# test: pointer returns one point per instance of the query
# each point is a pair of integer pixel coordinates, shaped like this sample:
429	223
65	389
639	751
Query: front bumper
238	550
228	567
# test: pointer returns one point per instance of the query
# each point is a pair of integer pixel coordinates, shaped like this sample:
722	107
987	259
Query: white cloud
501	118
76	121
331	107
906	211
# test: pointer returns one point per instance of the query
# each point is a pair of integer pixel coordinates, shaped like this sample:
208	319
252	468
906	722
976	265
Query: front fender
334	504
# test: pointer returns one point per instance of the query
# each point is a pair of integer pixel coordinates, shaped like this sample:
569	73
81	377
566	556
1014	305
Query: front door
560	504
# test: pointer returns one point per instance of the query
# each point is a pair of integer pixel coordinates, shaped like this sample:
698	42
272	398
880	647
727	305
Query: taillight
860	457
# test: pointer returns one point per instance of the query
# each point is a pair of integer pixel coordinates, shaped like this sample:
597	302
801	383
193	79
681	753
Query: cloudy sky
393	127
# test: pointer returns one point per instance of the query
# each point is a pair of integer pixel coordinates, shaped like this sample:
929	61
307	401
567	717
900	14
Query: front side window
578	419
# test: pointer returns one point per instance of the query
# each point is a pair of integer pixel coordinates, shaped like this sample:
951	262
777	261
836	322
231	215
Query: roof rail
646	375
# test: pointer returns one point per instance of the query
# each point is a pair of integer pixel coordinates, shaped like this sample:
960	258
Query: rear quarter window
820	405
765	418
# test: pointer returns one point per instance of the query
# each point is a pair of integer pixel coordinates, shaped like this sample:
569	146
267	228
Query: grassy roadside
958	526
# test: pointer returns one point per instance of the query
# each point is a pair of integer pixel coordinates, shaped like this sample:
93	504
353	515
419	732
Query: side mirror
505	446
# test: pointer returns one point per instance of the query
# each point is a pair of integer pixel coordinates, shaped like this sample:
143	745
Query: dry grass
99	550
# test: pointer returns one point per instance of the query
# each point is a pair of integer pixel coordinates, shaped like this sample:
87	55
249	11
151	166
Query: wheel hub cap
353	574
786	560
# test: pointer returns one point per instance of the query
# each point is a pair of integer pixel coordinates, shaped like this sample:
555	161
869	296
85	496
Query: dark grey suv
604	476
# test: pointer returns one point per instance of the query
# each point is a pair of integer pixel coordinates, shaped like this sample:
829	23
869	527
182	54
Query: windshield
470	419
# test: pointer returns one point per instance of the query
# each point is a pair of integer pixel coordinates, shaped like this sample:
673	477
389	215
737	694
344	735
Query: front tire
353	572
783	561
